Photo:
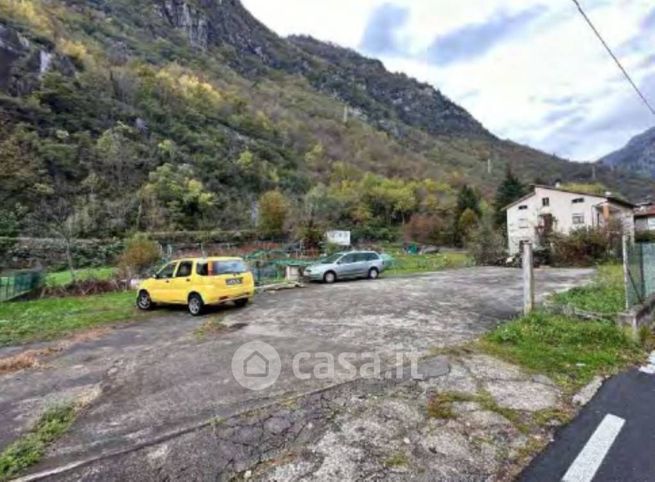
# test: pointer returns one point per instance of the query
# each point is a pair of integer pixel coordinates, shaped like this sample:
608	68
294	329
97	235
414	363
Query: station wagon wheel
144	302
330	277
373	273
196	304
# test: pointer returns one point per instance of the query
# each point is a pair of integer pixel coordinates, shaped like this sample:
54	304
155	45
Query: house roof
613	199
645	211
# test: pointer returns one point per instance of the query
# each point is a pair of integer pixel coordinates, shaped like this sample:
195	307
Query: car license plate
234	281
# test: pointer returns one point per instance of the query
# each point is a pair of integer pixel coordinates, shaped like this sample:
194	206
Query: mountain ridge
637	156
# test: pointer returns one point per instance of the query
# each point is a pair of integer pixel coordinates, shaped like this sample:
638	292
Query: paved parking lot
145	380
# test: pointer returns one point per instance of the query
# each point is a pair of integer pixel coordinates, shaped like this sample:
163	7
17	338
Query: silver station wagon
350	265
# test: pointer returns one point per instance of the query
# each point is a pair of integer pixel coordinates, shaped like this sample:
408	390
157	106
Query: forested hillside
126	115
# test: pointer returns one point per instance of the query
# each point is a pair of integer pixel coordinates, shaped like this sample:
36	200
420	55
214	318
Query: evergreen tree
509	191
468	201
468	198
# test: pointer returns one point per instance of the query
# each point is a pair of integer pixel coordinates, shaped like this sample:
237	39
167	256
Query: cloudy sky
530	70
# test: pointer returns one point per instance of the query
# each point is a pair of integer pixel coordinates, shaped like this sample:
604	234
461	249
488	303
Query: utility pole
626	269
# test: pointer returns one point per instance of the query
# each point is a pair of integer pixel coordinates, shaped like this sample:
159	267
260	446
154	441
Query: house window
523	223
578	200
578	219
523	207
545	202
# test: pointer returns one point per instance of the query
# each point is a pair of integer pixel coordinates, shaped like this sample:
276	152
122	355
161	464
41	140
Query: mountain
637	157
123	115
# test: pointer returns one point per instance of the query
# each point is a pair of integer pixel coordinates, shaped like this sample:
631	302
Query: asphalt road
611	440
146	379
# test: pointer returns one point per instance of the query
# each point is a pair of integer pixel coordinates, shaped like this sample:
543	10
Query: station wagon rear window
218	268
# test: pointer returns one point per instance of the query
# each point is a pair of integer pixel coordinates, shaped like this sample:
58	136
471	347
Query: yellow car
197	283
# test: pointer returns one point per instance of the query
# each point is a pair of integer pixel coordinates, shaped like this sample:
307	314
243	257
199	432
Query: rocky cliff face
23	62
192	20
637	157
390	101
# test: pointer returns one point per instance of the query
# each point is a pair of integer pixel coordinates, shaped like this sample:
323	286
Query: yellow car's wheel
144	302
241	303
196	305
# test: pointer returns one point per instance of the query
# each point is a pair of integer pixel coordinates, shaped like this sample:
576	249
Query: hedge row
18	253
204	237
51	253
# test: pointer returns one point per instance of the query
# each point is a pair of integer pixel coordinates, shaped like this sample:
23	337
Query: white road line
588	462
650	368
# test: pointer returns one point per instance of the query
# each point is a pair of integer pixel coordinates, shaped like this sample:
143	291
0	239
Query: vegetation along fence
640	261
19	283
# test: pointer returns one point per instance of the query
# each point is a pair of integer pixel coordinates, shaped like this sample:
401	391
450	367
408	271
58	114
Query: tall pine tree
510	190
468	201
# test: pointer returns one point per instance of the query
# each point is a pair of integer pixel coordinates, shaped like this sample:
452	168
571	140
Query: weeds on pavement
29	449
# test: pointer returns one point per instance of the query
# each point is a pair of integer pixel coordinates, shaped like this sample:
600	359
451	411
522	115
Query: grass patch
50	318
568	350
398	459
404	263
64	278
29	449
441	405
605	296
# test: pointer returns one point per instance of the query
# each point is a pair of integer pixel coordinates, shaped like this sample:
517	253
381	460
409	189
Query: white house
559	210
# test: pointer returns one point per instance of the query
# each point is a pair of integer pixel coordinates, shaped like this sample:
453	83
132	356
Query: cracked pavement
153	386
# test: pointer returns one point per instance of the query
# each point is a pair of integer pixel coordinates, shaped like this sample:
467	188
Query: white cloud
550	84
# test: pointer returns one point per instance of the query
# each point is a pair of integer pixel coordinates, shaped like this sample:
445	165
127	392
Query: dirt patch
36	358
27	359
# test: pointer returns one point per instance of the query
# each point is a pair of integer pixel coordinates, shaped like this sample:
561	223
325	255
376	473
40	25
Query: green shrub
645	236
486	245
582	247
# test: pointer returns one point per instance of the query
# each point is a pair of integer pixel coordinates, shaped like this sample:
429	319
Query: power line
618	62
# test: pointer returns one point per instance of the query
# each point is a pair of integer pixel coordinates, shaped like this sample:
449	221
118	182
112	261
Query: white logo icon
256	365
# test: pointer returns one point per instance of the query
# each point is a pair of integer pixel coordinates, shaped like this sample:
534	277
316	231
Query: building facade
551	209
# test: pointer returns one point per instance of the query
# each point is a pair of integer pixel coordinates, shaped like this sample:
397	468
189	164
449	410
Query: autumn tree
466	223
273	212
174	198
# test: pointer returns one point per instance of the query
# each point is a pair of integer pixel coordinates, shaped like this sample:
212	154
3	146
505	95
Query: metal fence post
528	278
626	271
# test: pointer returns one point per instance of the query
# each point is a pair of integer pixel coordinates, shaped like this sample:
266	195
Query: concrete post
626	271
528	278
